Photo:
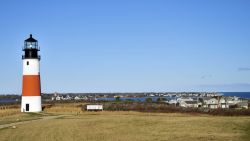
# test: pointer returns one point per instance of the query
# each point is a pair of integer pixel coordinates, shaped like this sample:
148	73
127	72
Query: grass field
130	126
14	115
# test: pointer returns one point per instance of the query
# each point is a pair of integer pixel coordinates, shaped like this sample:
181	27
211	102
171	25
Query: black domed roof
30	39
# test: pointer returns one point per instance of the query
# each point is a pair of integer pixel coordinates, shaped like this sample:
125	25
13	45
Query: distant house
85	98
151	95
172	101
180	99
58	97
243	104
209	102
68	97
233	100
77	98
189	104
223	103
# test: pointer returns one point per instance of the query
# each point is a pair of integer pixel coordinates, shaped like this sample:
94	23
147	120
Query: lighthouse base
31	104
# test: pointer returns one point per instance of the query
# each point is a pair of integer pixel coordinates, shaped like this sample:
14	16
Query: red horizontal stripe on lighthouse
31	85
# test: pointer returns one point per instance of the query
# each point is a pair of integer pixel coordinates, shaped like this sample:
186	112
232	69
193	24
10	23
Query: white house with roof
77	98
209	102
223	102
58	97
171	101
180	99
188	102
243	104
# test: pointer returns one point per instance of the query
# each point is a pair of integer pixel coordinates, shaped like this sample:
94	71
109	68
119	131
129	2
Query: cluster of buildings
183	94
210	102
68	97
203	100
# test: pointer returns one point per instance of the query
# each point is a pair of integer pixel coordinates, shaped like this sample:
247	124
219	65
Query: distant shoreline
8	99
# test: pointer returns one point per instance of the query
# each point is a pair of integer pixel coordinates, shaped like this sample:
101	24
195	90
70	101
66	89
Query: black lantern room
31	48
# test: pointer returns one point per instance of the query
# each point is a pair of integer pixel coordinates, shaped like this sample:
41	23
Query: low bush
165	108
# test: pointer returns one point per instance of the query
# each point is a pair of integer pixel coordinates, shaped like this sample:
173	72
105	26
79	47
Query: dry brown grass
8	112
15	115
20	117
131	126
64	108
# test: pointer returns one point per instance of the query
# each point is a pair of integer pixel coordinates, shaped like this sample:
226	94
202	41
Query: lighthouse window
28	63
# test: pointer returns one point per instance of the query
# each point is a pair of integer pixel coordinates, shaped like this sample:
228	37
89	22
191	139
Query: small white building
243	105
53	98
180	99
172	101
96	107
77	98
68	97
58	97
233	100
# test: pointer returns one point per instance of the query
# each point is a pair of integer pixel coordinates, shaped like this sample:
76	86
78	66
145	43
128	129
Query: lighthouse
31	90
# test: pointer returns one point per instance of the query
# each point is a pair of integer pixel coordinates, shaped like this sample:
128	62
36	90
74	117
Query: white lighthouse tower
31	92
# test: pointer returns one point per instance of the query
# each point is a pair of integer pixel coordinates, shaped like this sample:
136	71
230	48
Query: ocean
5	101
238	94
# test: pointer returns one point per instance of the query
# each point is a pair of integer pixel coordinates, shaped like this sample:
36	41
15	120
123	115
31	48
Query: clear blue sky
129	45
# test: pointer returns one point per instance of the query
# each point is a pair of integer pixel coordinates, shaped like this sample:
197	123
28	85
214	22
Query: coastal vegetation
161	107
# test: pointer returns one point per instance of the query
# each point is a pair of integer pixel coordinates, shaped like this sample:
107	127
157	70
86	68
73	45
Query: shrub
165	108
149	100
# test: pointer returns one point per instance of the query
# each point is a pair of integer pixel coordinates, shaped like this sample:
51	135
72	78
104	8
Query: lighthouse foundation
31	104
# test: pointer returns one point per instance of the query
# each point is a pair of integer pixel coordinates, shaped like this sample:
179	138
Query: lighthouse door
27	107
